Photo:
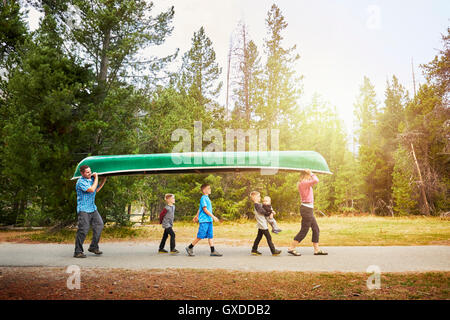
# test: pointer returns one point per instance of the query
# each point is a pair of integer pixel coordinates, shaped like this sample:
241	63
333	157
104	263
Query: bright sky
339	41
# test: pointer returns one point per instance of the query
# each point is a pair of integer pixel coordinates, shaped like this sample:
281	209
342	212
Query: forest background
78	86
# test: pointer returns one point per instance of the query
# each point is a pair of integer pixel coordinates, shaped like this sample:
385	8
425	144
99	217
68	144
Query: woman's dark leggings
308	221
167	232
268	238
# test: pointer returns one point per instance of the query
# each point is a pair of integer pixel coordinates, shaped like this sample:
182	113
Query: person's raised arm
101	185
315	180
95	184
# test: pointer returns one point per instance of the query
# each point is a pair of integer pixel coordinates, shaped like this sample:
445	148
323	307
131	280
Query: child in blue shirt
205	218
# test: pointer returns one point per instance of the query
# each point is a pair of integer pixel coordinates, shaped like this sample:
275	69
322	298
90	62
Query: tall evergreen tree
370	162
111	35
248	85
425	133
389	119
282	86
404	191
45	91
200	71
13	31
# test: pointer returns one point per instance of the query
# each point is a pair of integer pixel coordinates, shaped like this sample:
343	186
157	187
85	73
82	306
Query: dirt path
49	283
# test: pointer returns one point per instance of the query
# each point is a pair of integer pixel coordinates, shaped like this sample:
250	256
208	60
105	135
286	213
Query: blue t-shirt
205	202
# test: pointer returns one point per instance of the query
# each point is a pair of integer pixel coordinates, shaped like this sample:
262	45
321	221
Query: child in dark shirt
268	207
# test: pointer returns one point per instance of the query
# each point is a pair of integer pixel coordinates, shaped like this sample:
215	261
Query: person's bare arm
195	219
210	214
101	185
314	180
95	184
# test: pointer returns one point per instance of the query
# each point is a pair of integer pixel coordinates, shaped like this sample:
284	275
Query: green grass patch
334	231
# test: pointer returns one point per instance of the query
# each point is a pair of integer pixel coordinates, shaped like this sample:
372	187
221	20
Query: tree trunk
143	215
228	78
422	185
104	64
246	75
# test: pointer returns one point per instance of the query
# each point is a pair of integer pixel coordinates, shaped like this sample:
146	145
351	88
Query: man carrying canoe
87	187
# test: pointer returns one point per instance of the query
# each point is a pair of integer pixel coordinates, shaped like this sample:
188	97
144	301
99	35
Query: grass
176	284
335	231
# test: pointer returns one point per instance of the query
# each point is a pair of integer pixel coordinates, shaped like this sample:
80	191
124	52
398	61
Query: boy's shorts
205	230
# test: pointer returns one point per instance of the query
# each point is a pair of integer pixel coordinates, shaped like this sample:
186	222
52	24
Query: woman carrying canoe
305	184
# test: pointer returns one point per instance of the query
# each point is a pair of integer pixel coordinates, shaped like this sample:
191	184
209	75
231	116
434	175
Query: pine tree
13	31
425	132
200	71
370	164
248	92
389	119
404	191
109	36
41	131
13	35
282	87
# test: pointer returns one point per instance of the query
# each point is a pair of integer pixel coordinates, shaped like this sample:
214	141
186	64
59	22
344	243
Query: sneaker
79	255
276	252
174	251
256	253
96	251
215	254
276	231
190	251
162	251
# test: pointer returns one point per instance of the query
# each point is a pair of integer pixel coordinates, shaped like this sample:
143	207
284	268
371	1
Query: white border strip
212	168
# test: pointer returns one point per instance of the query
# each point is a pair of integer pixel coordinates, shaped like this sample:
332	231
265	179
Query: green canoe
269	162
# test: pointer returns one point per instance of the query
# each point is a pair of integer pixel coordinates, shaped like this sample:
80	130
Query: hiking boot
215	254
96	251
162	251
256	253
79	255
174	251
190	251
276	252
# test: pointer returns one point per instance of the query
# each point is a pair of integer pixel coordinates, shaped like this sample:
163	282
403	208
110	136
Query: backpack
161	215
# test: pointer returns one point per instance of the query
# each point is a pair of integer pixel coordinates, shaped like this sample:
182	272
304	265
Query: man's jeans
85	221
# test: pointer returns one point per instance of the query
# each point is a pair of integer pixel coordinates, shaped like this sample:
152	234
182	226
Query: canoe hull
205	162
